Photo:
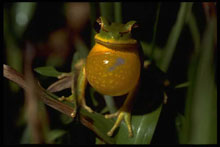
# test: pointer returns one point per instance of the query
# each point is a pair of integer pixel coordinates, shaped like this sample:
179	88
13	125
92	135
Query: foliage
200	89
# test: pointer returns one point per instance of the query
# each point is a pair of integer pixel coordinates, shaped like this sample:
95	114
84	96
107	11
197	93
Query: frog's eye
101	23
97	26
136	31
130	28
133	27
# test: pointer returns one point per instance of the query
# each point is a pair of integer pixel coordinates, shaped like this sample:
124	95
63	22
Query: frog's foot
70	99
120	116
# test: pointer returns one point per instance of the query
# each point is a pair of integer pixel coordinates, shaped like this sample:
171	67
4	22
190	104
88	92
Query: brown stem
18	78
13	75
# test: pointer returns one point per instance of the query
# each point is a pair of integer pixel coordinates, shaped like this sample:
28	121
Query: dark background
49	17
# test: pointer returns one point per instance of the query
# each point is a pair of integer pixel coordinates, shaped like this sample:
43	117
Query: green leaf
81	52
118	12
23	13
65	119
93	16
107	10
182	85
99	125
26	136
154	33
54	134
48	71
143	128
147	49
169	49
205	93
200	125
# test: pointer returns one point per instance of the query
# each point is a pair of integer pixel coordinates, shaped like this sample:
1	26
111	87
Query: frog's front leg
81	87
77	92
72	97
124	113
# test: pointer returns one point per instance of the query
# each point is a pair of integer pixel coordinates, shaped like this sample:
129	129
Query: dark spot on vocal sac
119	61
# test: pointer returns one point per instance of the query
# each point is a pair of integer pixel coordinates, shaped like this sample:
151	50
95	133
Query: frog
112	67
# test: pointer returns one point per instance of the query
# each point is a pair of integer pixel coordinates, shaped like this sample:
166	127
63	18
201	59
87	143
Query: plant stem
169	49
106	9
118	12
155	32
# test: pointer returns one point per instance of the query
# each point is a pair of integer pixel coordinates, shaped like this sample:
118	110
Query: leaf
107	10
23	13
182	85
54	134
147	51
118	12
61	84
200	125
98	124
153	44
143	128
48	71
65	119
81	52
26	136
169	49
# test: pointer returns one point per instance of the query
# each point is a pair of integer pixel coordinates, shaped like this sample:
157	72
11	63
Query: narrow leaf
185	8
143	128
47	71
61	84
54	134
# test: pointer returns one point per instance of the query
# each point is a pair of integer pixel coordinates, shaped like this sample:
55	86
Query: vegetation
44	40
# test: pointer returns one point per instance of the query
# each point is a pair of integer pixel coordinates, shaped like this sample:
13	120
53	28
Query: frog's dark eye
134	26
97	26
135	31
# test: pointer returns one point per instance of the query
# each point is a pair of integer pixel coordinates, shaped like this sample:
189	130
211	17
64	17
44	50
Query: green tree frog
112	68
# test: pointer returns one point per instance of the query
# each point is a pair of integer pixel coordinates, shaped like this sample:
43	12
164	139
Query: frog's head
115	33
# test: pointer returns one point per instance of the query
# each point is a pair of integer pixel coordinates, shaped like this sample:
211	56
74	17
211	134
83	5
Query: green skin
116	33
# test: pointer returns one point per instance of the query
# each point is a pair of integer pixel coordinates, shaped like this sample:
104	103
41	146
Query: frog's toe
121	115
107	116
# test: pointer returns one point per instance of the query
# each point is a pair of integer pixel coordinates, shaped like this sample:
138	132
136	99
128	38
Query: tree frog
112	68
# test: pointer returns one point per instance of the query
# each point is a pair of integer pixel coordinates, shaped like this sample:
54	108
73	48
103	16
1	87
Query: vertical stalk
155	32
92	21
107	10
118	12
169	49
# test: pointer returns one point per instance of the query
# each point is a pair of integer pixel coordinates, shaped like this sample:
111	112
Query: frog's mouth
114	44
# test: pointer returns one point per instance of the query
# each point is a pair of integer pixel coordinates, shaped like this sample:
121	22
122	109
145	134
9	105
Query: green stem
194	31
110	103
118	12
155	32
107	10
169	49
92	21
